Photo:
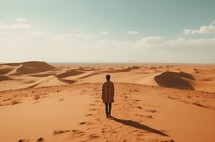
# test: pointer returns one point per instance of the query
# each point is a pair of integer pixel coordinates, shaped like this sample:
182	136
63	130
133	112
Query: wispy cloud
21	20
20	24
132	32
152	41
209	29
105	32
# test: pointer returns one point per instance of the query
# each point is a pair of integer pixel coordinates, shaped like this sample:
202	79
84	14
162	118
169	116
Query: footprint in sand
147	116
139	107
36	97
93	136
78	133
61	100
8	99
93	109
82	123
89	114
136	100
91	104
40	139
36	102
139	115
14	102
22	140
57	132
151	110
103	130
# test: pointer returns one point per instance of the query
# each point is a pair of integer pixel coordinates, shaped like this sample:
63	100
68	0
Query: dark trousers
108	107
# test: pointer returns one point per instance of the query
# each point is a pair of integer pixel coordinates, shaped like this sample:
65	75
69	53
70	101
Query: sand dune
47	81
184	77
174	80
153	103
68	73
4	69
3	78
34	67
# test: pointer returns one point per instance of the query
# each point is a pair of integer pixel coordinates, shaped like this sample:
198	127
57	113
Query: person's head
108	77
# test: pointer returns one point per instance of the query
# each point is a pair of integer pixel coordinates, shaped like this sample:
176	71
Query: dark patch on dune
128	69
174	80
42	75
67	81
118	70
34	67
40	139
12	64
87	69
4	71
3	78
69	73
134	67
57	132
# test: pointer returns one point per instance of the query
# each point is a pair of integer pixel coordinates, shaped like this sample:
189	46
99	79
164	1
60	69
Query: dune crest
46	81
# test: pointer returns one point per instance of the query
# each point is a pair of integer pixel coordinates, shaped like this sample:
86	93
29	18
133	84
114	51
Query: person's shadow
138	125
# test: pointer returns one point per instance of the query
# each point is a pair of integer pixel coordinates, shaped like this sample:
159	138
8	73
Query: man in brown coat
108	95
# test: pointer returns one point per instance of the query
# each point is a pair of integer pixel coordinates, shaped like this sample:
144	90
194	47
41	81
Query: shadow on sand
138	125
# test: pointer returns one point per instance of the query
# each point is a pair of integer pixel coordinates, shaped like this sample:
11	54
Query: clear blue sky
108	30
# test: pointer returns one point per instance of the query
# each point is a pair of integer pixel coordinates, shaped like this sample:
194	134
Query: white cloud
132	32
105	32
21	20
84	36
111	44
151	41
20	24
210	29
157	49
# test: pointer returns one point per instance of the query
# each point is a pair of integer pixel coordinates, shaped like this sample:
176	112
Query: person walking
108	95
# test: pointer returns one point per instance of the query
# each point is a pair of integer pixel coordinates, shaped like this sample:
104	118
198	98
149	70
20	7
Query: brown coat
108	92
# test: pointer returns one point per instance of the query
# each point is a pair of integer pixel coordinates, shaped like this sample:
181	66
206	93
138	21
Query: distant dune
68	73
200	78
34	67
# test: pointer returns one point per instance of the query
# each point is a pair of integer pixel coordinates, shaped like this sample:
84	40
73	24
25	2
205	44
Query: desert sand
62	103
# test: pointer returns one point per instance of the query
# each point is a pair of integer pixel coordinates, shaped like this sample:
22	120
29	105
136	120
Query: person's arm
102	90
113	89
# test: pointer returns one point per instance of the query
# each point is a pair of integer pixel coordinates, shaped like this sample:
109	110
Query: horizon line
107	62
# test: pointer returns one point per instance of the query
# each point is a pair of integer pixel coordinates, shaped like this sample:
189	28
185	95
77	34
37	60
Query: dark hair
108	77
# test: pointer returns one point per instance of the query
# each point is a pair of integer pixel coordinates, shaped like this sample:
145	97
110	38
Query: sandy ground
62	103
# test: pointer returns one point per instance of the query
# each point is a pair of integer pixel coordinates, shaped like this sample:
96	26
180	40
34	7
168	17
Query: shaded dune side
174	80
69	73
110	70
11	64
4	71
34	67
128	69
3	78
48	81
